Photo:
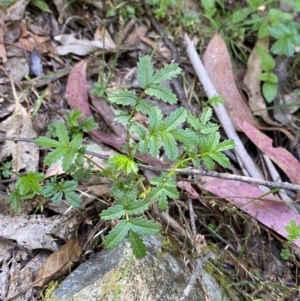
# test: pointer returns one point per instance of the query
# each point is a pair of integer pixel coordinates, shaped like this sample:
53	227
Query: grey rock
157	277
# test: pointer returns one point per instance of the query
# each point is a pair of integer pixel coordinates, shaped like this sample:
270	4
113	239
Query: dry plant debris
50	62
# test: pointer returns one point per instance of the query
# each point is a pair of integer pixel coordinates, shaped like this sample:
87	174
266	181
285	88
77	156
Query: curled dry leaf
59	263
253	84
79	47
102	35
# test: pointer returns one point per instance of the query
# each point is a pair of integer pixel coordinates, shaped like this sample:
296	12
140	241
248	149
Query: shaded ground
40	85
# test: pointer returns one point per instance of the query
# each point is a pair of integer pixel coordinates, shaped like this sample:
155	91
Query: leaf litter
46	45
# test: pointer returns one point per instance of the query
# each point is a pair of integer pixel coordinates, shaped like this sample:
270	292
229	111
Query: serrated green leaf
14	199
68	186
122	117
225	145
206	115
47	142
287	38
209	142
162	93
209	128
123	98
30	183
208	161
144	106
169	144
116	235
194	122
188	137
137	206
220	158
143	226
175	119
68	159
114	212
89	124
123	162
138	247
162	203
73	199
166	73
154	145
55	155
72	118
62	134
155	119
57	197
145	71
162	193
216	100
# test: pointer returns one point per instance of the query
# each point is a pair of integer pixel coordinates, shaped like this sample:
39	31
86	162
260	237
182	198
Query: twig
192	171
220	110
199	266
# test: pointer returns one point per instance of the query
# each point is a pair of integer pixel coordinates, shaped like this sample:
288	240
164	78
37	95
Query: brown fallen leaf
59	263
56	265
253	84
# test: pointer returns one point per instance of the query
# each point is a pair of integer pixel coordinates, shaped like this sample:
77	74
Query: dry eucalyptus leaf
59	263
25	155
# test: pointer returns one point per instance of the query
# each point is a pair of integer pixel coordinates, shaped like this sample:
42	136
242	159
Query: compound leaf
143	226
116	235
114	212
123	98
138	247
162	93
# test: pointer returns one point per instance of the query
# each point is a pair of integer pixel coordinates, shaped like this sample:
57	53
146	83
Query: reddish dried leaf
188	188
218	66
271	212
77	89
284	159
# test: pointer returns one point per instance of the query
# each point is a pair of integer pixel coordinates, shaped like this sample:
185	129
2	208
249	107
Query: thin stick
192	171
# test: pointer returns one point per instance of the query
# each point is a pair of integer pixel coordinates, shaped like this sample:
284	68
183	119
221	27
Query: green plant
184	138
269	79
69	151
161	7
293	234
